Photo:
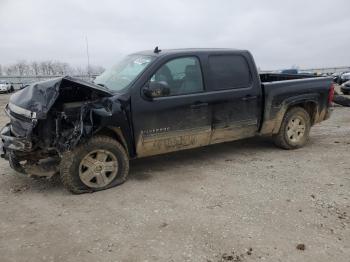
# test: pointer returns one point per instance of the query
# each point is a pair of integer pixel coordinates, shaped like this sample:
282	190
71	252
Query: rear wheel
99	164
295	129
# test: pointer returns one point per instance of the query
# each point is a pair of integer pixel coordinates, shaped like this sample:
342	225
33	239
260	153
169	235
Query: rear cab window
228	72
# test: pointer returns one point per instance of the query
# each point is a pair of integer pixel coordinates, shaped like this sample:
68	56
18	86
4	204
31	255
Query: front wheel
295	129
15	163
99	164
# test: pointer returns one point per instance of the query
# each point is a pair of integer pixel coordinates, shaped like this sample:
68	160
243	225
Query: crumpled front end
9	142
49	118
16	135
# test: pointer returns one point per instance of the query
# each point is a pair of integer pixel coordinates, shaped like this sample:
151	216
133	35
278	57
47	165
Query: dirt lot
239	201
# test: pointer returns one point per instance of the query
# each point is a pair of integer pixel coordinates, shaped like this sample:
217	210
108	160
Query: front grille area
21	126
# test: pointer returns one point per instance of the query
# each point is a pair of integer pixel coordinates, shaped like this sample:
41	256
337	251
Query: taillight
331	94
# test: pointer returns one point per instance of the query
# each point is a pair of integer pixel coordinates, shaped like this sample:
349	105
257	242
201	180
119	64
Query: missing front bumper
9	142
10	146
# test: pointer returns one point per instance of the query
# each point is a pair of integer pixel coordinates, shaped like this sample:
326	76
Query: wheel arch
310	107
115	133
273	120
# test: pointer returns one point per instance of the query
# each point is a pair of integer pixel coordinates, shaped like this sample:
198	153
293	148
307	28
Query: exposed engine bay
51	117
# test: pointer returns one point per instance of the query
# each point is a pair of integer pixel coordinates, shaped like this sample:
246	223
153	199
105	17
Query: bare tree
22	68
47	68
35	68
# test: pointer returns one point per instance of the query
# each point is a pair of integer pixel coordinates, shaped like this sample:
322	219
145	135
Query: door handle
247	98
198	105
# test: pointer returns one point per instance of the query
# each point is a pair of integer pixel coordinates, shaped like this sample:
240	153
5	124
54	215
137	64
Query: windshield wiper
103	85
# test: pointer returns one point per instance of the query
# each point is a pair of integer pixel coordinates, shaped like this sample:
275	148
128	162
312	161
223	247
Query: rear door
236	101
180	120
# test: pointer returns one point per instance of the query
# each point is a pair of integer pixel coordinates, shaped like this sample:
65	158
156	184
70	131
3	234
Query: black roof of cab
189	51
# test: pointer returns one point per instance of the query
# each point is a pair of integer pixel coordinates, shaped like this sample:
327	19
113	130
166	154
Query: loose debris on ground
236	256
19	188
301	247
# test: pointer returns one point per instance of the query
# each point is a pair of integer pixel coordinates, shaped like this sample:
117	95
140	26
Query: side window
228	72
182	75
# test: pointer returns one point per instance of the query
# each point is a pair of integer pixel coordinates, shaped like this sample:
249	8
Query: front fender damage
52	117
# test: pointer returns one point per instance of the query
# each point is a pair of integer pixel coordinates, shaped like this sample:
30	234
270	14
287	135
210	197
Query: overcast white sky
278	33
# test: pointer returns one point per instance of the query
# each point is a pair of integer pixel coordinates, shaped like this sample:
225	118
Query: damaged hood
37	99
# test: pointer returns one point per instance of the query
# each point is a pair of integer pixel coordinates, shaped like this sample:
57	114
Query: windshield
124	73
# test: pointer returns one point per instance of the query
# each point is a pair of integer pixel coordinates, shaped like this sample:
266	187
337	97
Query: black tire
341	100
283	140
15	164
71	160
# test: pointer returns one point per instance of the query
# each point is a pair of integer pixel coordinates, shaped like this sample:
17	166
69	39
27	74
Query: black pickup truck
154	102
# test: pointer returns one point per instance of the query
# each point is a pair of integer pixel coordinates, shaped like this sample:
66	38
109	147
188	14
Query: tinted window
183	75
228	72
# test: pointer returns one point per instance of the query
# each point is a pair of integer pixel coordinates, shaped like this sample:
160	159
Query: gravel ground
239	201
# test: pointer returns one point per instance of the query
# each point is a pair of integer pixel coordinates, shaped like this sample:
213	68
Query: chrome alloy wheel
98	168
296	129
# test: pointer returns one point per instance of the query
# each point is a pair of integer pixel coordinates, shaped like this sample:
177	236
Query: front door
179	120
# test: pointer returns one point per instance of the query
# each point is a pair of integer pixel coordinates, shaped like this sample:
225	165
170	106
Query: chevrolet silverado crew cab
155	102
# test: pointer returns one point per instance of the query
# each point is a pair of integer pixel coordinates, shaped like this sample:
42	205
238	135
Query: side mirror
156	89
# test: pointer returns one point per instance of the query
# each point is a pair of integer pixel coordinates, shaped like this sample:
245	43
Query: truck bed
280	91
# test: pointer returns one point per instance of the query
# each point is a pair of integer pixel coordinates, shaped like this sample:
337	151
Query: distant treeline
47	68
